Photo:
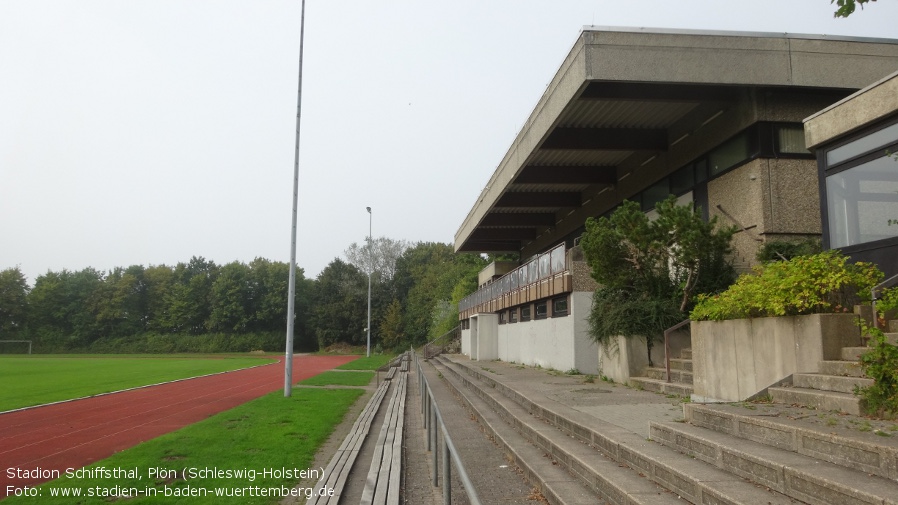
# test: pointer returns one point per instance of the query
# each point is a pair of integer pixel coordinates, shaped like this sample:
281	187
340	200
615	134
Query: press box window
559	307
542	310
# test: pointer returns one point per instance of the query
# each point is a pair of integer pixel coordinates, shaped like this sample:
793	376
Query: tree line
201	306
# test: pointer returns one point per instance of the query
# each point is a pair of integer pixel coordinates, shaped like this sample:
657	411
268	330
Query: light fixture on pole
291	288
370	268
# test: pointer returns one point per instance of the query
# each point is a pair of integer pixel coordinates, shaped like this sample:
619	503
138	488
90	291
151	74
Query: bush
782	250
880	363
821	283
649	271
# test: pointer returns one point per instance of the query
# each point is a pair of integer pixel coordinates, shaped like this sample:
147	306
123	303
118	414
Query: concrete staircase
655	378
809	462
576	458
832	389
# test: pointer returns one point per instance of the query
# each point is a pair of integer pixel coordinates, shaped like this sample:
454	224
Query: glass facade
862	203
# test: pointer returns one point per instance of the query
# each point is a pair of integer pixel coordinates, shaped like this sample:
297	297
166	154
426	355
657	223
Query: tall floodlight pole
291	289
370	268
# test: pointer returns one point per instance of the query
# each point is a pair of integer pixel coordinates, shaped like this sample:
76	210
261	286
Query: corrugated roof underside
623	114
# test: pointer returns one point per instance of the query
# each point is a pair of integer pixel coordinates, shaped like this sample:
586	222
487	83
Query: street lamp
370	268
291	283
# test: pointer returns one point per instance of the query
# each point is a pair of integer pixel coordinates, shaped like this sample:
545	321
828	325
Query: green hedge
821	283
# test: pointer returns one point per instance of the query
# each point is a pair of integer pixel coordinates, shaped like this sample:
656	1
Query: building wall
559	343
772	199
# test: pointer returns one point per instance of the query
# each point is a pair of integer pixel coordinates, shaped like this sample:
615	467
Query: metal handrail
454	334
433	418
667	333
890	280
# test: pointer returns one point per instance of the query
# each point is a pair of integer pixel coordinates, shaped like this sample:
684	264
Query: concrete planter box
737	359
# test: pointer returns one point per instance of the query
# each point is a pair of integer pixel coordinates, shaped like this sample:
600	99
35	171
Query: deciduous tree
13	303
650	271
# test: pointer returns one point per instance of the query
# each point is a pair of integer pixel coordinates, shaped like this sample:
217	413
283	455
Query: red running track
80	432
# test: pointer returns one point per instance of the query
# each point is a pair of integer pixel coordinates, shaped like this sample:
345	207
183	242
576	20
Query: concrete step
550	425
494	479
686	353
681	364
675	375
661	386
822	400
804	431
824	382
792	474
565	470
844	368
853	353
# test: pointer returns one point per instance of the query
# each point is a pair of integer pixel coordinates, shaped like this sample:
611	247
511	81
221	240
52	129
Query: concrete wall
873	103
482	338
773	198
627	357
560	343
737	359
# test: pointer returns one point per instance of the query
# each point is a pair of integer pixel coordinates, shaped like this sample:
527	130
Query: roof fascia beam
529	199
607	139
567	175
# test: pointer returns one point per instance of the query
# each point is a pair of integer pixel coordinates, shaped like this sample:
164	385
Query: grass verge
223	458
339	379
35	380
370	363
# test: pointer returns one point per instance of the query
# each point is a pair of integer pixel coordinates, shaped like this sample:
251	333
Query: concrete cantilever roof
624	98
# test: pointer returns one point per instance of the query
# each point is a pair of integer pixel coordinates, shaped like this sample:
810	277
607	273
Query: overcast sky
147	132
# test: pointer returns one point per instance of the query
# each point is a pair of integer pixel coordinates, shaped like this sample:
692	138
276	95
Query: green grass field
271	433
372	362
339	379
35	380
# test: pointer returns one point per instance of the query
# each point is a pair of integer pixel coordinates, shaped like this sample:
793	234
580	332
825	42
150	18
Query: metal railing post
667	333
890	280
434	420
427	421
447	482
436	452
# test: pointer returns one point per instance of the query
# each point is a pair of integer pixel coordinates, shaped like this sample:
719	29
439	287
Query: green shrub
888	301
782	250
821	283
880	363
649	271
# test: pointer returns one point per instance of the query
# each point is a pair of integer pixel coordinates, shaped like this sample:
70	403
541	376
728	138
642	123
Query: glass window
525	313
654	194
682	180
862	145
790	140
701	171
544	266
729	154
513	315
558	260
542	310
559	307
862	203
502	317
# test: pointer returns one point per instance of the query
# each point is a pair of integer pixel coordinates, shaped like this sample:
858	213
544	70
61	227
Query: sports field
258	438
37	380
